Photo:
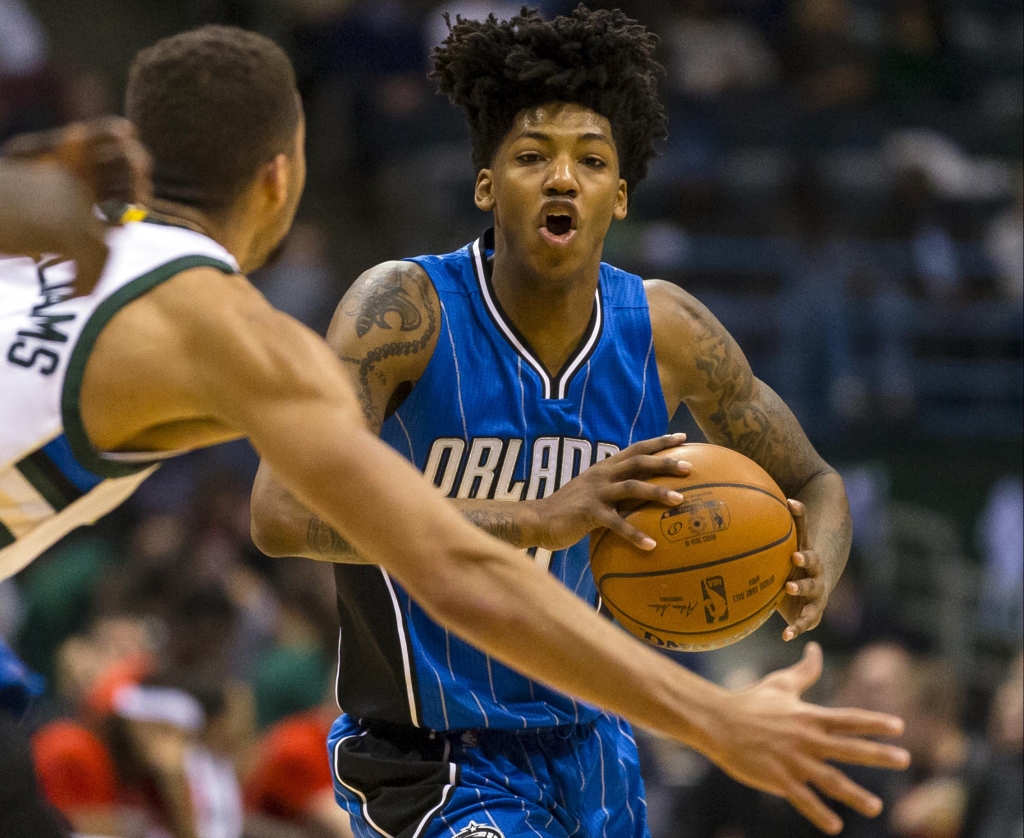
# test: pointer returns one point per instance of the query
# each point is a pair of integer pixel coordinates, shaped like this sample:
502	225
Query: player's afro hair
600	59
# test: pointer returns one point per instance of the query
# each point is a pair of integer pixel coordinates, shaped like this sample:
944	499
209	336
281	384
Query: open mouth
558	225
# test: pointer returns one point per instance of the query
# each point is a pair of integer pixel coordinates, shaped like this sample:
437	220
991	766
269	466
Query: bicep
730	404
384	331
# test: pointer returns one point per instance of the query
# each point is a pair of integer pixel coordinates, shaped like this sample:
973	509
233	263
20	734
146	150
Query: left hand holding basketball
806	591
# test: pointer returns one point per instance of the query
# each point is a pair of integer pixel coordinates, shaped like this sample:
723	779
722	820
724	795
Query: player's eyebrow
540	135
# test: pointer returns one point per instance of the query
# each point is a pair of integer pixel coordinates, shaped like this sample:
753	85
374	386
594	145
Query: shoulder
676	314
392	300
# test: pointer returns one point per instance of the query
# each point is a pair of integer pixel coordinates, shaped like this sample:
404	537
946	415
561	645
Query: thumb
802	675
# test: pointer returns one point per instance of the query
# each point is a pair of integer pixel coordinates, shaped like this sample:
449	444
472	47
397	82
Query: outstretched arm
206	349
702	366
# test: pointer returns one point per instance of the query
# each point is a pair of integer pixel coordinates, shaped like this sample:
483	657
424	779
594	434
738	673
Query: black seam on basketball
704	566
685	488
774	602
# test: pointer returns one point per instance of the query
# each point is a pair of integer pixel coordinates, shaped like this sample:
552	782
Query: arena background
842	187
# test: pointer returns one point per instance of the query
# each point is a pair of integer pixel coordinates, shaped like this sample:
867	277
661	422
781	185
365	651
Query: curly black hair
600	59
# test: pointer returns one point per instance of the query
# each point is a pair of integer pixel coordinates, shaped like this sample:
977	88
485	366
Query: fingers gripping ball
722	559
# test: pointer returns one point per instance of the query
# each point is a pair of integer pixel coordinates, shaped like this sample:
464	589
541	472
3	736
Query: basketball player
521	368
174	350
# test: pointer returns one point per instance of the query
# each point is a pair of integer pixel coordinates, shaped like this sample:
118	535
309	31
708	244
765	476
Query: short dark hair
600	59
212	105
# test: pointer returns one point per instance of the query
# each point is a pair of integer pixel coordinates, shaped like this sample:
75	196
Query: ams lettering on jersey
35	346
488	466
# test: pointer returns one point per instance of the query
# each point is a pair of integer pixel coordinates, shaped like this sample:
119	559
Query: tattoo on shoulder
324	540
403	291
498	524
754	425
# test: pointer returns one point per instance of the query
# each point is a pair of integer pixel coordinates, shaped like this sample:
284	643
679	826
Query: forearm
283	526
517	524
829	526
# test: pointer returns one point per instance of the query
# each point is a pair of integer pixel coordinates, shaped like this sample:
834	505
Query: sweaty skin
562	159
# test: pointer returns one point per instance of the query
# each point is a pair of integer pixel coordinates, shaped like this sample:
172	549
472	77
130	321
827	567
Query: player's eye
594	162
528	158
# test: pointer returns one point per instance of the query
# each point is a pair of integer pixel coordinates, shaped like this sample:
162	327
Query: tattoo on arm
324	540
750	417
370	306
498	524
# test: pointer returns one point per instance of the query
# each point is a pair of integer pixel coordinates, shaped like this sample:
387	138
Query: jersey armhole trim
83	449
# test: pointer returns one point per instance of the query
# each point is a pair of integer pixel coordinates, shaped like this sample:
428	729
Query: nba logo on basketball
716	606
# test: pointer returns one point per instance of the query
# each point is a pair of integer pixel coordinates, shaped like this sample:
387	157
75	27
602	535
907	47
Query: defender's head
218	109
563	114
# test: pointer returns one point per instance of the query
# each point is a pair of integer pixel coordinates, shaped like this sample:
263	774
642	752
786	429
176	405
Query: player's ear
274	177
621	201
483	196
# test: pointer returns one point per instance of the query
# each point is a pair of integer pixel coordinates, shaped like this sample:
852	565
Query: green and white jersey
52	480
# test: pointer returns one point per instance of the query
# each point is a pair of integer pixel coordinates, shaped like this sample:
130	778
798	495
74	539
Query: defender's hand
105	154
591	501
807	590
770	739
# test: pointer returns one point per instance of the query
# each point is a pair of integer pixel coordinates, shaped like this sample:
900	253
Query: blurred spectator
918	64
711	54
1004	244
815	363
58	594
30	98
146	767
825	65
933	807
292	676
301	283
996	802
914	214
290	778
1000	535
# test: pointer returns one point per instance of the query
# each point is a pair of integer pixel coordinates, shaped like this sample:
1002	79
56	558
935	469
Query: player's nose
561	179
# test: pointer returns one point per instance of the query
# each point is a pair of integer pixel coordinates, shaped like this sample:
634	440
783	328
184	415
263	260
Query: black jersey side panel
376	672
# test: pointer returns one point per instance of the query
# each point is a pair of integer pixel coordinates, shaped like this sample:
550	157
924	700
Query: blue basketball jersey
487	420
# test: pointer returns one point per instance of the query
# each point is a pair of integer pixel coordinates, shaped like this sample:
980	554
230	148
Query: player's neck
221	230
552	313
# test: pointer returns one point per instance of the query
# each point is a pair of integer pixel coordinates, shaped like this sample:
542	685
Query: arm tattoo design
371	306
324	540
498	524
754	425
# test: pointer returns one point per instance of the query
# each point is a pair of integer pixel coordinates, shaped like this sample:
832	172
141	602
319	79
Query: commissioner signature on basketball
685	608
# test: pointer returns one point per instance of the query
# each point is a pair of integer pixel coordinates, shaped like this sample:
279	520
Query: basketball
722	557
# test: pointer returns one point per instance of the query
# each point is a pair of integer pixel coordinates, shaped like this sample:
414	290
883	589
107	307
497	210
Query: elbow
267	535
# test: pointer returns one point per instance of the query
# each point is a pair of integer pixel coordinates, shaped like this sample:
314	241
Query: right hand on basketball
770	739
592	500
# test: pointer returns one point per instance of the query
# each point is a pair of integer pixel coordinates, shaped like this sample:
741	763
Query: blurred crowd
855	165
857	162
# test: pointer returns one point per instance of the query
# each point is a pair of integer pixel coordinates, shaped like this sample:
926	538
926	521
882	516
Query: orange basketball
722	560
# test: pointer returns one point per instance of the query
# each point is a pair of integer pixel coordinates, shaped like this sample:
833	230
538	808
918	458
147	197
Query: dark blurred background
842	186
